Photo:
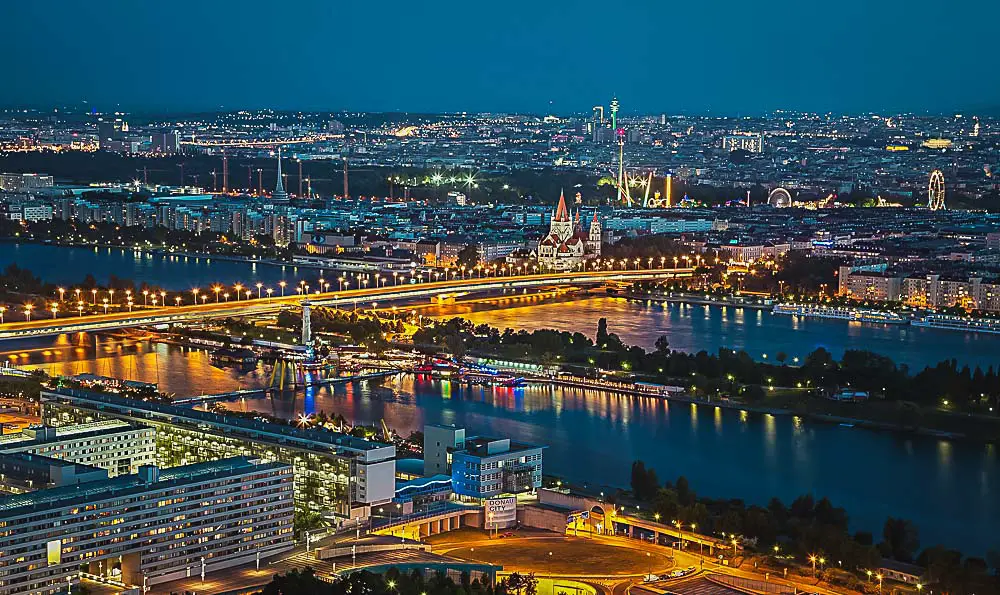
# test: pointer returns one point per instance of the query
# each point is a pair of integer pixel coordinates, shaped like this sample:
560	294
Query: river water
68	266
693	328
949	488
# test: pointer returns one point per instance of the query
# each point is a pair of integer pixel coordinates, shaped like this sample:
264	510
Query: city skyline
525	59
397	298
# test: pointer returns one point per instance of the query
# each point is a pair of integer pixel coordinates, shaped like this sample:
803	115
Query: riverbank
870	416
754	302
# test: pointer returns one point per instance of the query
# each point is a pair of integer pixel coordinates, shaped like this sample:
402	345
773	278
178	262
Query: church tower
594	237
562	223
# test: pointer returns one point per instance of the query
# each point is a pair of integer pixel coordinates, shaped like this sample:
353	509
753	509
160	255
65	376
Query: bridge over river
354	297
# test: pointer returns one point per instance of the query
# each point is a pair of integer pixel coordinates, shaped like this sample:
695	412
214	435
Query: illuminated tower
668	183
279	196
620	133
614	113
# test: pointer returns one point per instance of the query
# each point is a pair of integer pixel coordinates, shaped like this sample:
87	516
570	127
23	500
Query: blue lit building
485	467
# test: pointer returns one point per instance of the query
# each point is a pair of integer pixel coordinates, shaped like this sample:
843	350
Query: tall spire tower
279	196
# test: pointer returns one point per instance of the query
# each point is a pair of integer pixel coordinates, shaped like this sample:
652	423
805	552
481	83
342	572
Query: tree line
394	582
728	372
809	527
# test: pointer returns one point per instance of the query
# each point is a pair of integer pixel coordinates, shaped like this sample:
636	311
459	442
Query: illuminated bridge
348	298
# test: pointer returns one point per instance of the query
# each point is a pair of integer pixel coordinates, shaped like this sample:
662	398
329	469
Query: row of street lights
361	281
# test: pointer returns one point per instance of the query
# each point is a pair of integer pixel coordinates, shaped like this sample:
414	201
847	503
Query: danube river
949	488
693	328
688	327
67	265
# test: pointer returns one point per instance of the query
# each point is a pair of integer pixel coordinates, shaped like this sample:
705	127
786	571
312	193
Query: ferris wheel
779	198
935	191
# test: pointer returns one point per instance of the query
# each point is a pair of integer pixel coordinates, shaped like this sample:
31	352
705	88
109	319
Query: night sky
700	56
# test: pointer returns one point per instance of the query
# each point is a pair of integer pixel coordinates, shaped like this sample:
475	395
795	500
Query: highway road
45	324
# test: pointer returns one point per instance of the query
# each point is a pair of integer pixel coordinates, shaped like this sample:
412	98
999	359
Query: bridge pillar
306	323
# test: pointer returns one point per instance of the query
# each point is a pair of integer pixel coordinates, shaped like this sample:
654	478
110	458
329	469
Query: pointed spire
594	220
280	186
279	196
562	213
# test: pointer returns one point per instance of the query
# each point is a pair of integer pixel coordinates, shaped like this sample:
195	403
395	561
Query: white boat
840	313
959	323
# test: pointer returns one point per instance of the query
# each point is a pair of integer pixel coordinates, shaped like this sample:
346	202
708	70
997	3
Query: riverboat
959	323
840	313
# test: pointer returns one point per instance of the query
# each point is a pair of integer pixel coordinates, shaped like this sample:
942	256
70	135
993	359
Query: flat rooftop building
119	447
148	528
25	472
334	473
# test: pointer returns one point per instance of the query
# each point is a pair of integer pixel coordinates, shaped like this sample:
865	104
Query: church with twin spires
567	245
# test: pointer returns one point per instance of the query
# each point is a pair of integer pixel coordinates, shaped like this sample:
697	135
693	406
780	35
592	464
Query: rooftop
485	446
333	441
91	492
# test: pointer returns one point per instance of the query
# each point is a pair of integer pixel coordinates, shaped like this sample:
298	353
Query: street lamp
194	292
282	284
2	310
239	288
27	312
216	289
259	286
145	296
62	292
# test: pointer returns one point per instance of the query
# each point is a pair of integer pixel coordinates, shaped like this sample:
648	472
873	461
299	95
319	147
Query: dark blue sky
716	56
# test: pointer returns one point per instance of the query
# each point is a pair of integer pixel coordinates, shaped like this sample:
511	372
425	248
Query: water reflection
595	436
694	328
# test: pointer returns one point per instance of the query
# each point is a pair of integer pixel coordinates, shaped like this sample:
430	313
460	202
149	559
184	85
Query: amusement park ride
935	191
